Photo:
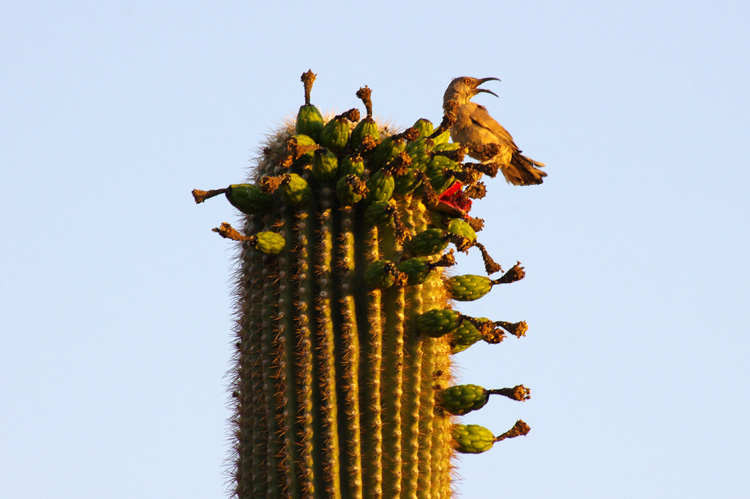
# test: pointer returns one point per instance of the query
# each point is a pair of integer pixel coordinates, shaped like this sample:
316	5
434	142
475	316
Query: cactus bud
383	274
350	189
438	322
419	269
335	133
352	165
325	165
462	399
381	186
428	242
424	127
472	438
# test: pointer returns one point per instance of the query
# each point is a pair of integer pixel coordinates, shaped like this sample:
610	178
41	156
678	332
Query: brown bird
475	129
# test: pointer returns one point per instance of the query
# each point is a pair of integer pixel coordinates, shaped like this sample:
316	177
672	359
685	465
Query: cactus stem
288	424
309	411
201	196
519	429
370	379
307	79
251	423
350	353
326	344
268	345
519	393
412	382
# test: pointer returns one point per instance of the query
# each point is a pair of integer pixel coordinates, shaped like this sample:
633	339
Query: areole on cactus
346	328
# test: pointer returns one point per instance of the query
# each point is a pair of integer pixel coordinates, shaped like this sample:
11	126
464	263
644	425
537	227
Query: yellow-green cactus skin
346	329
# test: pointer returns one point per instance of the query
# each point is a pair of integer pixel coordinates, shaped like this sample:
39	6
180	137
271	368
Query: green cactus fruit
459	227
428	242
307	157
417	270
472	438
420	152
440	171
443	138
381	186
335	134
295	190
325	165
462	399
424	127
352	165
350	189
270	243
468	287
309	120
387	150
438	322
366	127
248	198
465	335
380	213
383	274
408	182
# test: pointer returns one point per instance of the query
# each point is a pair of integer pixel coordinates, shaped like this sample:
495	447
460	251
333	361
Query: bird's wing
482	118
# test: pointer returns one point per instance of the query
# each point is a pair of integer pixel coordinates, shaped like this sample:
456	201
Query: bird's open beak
477	90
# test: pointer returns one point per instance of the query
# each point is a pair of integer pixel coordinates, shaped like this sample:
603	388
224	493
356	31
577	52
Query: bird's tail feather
523	171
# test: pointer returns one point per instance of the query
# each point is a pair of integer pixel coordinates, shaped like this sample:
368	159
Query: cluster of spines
343	385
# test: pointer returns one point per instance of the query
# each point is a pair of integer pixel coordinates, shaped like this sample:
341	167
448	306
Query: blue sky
115	300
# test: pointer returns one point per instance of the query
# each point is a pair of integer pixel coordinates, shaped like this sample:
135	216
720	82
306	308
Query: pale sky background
115	301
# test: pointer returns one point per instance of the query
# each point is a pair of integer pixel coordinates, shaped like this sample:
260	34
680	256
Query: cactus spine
343	382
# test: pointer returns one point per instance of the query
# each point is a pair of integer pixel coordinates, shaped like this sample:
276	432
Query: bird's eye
467	81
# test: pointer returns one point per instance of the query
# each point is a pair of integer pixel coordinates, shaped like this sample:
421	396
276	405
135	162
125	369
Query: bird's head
464	88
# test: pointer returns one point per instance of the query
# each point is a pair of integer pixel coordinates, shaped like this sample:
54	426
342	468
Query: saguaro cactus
345	334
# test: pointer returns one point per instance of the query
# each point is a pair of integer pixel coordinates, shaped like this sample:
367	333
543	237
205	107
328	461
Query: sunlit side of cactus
343	382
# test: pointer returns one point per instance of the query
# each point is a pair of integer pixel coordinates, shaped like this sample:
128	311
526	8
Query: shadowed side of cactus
345	331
